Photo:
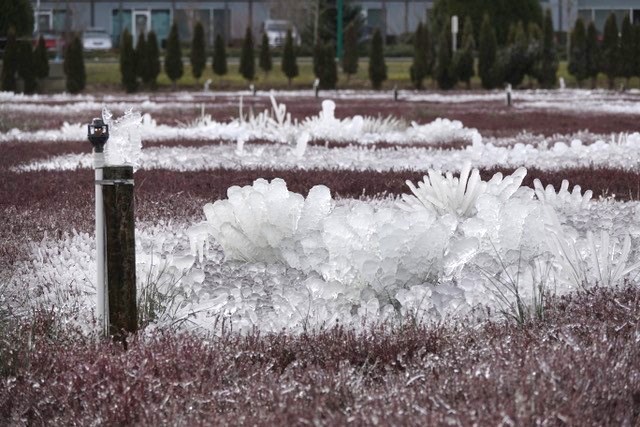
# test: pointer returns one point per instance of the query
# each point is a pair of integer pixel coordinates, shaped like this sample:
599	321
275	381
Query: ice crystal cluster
439	251
125	141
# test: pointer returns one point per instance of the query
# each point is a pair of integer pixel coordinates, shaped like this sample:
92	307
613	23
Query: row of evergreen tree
22	61
141	64
617	56
527	53
531	52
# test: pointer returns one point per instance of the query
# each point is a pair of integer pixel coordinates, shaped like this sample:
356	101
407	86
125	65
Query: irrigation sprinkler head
98	134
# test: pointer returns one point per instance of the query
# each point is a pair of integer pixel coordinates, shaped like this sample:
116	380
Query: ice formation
459	195
271	258
621	154
125	141
275	124
402	263
438	255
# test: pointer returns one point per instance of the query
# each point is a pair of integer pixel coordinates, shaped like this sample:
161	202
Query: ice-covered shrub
458	196
584	261
563	198
256	222
455	243
61	274
387	248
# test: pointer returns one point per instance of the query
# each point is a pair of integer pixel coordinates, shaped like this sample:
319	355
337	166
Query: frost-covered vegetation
290	234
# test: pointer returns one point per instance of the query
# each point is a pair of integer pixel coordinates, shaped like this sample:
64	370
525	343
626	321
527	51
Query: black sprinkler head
98	134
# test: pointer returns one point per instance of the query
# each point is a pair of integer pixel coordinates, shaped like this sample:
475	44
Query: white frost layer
622	153
597	101
273	296
276	125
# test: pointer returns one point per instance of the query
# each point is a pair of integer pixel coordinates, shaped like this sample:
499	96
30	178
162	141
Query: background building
565	12
231	17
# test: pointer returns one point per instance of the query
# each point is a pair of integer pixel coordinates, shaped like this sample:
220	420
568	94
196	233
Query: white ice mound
125	141
458	242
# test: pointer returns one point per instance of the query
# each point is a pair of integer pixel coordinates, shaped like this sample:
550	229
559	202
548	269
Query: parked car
96	39
276	31
51	40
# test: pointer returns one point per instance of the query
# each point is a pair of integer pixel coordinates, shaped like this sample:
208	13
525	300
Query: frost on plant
563	198
458	196
587	261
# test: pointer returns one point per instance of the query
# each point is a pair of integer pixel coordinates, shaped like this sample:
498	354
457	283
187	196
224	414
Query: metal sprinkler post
117	311
98	134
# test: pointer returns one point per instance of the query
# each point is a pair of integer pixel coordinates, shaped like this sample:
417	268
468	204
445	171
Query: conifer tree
74	66
592	54
26	69
128	63
418	70
265	63
9	64
329	71
17	17
548	65
428	44
247	57
219	63
627	49
377	65
152	60
610	50
444	70
517	56
41	60
289	63
173	56
534	50
140	57
198	51
487	54
350	56
463	59
318	57
578	52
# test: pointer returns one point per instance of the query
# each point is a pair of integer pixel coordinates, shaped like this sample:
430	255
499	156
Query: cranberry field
439	259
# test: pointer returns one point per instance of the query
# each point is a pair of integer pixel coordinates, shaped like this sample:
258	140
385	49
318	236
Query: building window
61	21
161	24
44	21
